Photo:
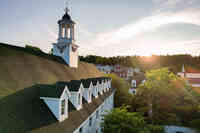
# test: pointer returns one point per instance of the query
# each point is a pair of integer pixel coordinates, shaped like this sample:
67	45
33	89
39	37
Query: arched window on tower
74	48
63	32
68	33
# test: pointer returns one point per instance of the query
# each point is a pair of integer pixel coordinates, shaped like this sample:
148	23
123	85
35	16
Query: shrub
195	123
156	129
33	48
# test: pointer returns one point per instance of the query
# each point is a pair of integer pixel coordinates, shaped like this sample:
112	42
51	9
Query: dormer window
81	130
63	107
97	114
97	91
89	94
90	121
79	98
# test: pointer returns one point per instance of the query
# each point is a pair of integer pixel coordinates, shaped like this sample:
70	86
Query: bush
195	123
33	48
156	129
122	96
119	120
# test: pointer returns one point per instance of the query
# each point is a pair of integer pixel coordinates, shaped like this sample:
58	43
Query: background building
193	78
107	69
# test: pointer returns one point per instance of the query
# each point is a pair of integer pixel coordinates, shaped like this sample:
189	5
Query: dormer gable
95	84
107	84
76	89
88	86
101	85
65	96
104	85
56	98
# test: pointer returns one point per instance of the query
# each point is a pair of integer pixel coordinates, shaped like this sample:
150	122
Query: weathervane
67	7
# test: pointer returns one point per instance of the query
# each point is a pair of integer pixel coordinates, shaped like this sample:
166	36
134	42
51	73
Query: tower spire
67	7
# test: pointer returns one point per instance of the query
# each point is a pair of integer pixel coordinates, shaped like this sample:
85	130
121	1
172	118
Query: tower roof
66	18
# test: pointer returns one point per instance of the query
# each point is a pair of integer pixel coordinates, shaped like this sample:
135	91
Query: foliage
119	120
33	48
195	123
155	129
167	98
51	51
174	62
122	95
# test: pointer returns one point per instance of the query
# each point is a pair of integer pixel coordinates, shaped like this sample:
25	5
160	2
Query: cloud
129	40
145	47
150	23
173	5
52	34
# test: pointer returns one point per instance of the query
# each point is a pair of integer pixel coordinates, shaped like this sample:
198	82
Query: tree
122	96
166	98
51	51
173	62
195	123
33	48
119	120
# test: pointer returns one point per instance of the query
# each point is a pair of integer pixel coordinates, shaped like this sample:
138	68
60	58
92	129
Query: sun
150	49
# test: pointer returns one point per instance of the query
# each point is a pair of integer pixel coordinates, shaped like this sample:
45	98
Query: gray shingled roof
57	89
86	83
94	80
66	18
54	91
73	85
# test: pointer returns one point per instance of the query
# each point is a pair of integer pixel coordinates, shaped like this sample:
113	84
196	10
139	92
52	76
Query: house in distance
192	77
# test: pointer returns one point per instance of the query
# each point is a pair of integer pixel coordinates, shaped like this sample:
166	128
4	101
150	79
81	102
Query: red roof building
193	78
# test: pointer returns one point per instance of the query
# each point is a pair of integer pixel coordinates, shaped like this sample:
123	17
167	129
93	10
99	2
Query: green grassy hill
20	72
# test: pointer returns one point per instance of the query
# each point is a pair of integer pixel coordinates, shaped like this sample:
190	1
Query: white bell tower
65	46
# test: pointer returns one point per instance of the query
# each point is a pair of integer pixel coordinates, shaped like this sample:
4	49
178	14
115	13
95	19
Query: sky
106	27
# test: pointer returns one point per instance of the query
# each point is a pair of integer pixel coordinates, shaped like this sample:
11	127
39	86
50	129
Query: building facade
107	69
193	78
123	72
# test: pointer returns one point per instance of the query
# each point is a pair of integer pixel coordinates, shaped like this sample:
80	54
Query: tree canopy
33	48
167	99
174	62
122	96
119	120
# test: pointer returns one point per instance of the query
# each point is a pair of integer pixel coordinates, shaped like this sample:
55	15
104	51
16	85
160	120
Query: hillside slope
20	72
20	69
